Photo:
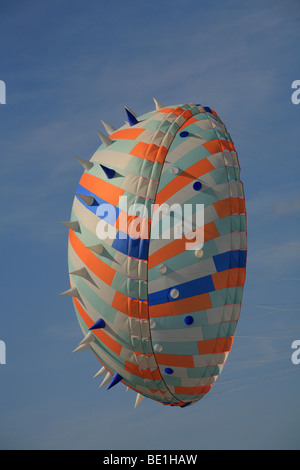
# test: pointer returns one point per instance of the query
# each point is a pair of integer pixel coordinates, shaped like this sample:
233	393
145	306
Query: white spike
100	372
89	200
85	163
72	224
73	292
138	400
109	129
88	339
127	389
158	104
105	140
82	272
81	347
107	379
97	248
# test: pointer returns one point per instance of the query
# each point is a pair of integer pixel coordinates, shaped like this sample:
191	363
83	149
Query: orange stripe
132	307
174	360
186	177
229	278
98	267
215	346
145	373
186	113
151	152
133	225
101	188
218	145
177	307
188	122
192	390
229	206
130	134
139	150
177	111
179	245
101	335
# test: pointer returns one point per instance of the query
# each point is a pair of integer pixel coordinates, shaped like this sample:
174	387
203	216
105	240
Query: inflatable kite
157	252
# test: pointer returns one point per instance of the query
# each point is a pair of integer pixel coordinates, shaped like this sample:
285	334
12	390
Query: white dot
199	253
158	348
152	324
174	170
174	293
162	269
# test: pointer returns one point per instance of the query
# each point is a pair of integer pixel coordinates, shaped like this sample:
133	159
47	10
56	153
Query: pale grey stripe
112	157
178	335
188	273
205	360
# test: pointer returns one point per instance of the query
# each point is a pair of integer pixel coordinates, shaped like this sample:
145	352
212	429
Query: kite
157	252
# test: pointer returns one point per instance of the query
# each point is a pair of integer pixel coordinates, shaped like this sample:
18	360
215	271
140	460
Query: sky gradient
67	66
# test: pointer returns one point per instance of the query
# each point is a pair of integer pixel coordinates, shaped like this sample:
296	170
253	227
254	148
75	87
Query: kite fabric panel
157	252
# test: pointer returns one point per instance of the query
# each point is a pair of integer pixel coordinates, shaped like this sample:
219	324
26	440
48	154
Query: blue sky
67	65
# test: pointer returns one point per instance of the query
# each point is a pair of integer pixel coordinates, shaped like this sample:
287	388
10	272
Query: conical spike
100	372
100	323
108	171
127	389
109	129
81	347
73	292
97	248
82	272
105	140
86	164
73	225
131	117
115	380
138	400
88	339
158	104
131	112
107	379
89	200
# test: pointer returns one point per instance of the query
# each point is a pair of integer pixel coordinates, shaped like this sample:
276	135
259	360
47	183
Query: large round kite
157	252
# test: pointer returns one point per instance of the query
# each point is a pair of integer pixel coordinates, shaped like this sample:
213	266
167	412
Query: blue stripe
223	261
109	217
187	289
230	259
133	247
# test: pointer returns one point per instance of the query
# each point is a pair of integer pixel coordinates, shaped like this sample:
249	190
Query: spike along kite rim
159	316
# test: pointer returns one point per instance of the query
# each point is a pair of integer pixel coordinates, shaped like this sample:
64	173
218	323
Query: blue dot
184	134
189	320
197	186
168	370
